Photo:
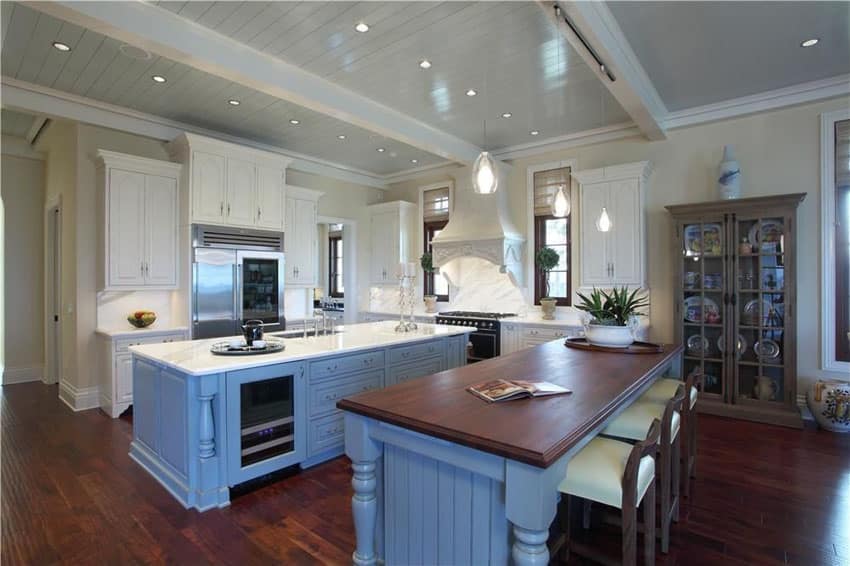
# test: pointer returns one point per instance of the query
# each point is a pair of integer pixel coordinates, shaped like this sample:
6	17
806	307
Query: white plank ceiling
97	68
507	51
15	123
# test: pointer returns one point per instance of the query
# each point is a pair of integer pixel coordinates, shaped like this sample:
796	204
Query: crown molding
418	172
587	137
19	147
36	99
762	102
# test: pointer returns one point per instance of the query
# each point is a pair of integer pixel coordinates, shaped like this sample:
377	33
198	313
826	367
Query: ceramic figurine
745	247
729	175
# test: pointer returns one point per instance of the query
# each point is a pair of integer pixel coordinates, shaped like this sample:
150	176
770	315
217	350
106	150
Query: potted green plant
611	317
547	259
427	263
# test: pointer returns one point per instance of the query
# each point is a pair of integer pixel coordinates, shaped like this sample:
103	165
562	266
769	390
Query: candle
399	271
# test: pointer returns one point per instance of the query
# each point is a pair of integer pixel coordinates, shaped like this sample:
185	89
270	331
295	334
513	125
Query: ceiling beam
168	35
37	124
631	86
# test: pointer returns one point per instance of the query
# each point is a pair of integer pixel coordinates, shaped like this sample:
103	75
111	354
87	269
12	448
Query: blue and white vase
729	175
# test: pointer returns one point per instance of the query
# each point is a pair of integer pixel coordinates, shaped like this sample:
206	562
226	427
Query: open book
504	390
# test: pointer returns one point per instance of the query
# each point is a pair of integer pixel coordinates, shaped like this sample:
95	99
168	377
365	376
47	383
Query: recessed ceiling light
294	122
158	79
61	46
507	115
425	64
810	42
414	161
393	154
471	92
233	102
341	137
533	132
362	27
381	150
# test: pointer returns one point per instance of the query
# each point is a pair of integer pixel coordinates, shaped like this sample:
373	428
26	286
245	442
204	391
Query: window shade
842	153
546	185
435	204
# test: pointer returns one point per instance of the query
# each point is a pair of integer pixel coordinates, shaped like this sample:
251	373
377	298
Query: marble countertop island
194	357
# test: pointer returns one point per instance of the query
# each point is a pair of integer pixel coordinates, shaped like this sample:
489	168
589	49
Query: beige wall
778	152
23	317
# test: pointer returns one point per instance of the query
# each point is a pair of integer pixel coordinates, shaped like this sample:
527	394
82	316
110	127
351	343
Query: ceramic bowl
141	318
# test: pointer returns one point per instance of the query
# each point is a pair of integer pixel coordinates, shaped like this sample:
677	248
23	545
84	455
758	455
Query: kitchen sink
291	334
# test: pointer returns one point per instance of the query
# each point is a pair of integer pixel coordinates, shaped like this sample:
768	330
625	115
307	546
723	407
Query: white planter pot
609	336
430	303
548	308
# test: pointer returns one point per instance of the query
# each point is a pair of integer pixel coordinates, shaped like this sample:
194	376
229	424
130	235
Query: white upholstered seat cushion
634	422
664	389
596	472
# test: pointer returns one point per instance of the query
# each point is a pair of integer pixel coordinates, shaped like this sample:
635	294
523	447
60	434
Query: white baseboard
79	399
22	374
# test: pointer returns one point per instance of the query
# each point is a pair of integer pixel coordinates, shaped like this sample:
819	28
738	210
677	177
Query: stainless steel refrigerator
237	275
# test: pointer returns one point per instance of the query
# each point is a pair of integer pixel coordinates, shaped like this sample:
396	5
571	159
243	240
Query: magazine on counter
496	390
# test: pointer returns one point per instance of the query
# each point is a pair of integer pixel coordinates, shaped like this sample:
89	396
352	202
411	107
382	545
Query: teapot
765	388
252	330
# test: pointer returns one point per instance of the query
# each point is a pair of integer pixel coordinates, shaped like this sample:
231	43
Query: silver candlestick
407	301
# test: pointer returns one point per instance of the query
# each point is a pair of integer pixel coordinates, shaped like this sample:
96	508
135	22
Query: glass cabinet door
759	303
704	283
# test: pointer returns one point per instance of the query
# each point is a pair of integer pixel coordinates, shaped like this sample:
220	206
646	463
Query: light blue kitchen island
190	405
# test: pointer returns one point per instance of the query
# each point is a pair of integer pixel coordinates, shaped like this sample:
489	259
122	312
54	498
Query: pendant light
560	205
484	178
603	223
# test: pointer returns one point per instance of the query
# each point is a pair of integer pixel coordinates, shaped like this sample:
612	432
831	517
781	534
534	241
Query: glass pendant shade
603	224
561	205
484	180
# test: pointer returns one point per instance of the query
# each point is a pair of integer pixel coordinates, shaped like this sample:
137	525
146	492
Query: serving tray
225	349
581	343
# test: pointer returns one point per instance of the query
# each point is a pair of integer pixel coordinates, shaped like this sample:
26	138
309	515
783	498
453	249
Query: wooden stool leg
629	535
675	477
649	526
664	478
692	445
566	512
585	513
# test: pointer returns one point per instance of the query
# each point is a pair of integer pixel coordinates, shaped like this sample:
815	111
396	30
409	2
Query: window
551	232
835	255
435	216
335	284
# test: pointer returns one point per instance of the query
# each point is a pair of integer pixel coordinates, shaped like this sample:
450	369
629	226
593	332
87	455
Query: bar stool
621	475
631	423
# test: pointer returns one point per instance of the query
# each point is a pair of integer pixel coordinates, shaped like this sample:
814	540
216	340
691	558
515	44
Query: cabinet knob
228	209
221	208
259	213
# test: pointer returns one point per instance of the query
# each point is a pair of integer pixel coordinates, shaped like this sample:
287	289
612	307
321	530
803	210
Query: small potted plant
547	259
427	263
611	317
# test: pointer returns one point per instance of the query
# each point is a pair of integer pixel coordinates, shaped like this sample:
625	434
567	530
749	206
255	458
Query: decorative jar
829	402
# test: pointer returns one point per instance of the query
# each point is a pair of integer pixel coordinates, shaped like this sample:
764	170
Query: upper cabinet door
161	230
240	209
126	228
270	201
595	261
624	239
385	246
208	187
305	222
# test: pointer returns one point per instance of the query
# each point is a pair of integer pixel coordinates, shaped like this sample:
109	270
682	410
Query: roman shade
546	185
435	204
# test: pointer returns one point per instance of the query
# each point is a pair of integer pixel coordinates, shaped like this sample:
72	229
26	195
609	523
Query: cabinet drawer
407	372
325	433
546	333
324	396
123	344
336	366
415	352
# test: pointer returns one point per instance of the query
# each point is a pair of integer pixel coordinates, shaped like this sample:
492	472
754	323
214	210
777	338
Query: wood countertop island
439	474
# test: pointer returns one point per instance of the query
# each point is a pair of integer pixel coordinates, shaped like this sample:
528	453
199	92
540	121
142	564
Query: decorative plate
697	344
741	345
766	349
708	242
771	314
694	307
770	231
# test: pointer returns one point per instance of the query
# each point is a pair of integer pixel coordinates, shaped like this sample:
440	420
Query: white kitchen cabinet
616	257
137	238
393	239
116	363
300	238
231	185
518	336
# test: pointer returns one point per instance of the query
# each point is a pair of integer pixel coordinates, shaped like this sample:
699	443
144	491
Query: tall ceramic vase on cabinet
729	175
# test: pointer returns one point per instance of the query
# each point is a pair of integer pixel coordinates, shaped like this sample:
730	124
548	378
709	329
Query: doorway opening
337	285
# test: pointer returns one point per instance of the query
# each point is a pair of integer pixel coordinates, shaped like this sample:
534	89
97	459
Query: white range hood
481	226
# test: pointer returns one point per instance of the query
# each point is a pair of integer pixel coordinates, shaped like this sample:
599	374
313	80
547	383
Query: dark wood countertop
535	431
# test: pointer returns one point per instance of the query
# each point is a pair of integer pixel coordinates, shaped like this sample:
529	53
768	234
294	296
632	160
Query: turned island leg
365	454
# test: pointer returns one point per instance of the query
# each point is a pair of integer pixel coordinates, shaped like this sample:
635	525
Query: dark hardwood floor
71	495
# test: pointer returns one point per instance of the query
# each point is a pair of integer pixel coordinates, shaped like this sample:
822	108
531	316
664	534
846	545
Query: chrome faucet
324	315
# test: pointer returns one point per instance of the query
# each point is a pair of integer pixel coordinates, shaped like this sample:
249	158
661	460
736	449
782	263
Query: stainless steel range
485	342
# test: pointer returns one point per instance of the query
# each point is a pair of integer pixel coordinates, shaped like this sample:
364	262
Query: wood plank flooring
71	495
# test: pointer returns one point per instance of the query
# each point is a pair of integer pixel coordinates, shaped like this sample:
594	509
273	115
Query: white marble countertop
418	312
136	332
195	358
